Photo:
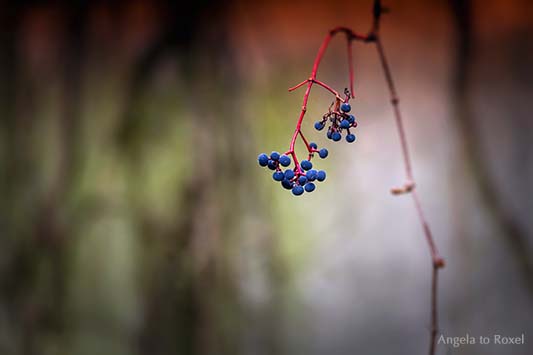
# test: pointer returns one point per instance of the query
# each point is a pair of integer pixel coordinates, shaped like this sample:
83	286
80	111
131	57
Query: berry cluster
340	120
303	177
299	179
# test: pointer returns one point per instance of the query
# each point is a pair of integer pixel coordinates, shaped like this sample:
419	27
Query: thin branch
409	185
350	36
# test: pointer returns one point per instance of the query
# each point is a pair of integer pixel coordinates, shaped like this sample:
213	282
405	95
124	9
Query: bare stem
409	185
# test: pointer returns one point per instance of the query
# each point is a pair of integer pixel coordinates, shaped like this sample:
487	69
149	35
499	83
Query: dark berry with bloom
306	164
319	126
289	174
297	190
262	159
311	175
278	176
284	160
345	107
287	184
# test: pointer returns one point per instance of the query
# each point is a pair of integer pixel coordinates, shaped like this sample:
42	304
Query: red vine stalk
409	186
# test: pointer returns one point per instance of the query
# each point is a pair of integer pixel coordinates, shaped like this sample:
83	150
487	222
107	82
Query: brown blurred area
134	218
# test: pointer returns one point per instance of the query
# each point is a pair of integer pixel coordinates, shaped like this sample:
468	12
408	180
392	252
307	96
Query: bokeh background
135	220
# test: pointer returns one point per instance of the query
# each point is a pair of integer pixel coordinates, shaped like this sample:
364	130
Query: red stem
350	36
409	185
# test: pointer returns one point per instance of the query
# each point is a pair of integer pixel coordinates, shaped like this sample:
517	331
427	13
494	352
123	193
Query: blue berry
336	136
272	165
274	155
323	153
350	138
310	187
321	175
278	176
311	175
306	164
330	134
319	125
289	174
284	160
313	145
345	124
297	190
287	184
351	119
263	159
345	107
302	180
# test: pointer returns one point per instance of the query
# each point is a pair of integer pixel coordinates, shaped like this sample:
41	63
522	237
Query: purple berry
310	187
284	160
345	124
289	174
311	175
278	176
345	107
297	190
262	159
306	164
287	184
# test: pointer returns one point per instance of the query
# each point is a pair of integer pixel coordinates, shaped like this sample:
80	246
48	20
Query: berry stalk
350	36
302	176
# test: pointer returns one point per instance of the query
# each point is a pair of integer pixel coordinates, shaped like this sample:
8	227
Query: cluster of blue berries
300	178
340	121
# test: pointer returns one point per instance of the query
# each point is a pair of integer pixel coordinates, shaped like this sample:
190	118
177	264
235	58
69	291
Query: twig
350	36
409	184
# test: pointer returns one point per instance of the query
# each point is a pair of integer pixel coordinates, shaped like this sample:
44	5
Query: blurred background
134	218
